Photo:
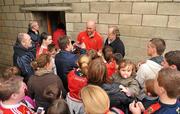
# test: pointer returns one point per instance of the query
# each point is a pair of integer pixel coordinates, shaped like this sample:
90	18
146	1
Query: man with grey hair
23	55
33	31
114	40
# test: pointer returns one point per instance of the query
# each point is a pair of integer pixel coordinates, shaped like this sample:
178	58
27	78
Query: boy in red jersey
12	91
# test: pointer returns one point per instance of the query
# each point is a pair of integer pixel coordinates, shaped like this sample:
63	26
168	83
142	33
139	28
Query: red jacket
95	43
56	35
75	83
111	68
41	50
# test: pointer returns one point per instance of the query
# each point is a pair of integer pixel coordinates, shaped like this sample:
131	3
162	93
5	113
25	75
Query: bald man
90	37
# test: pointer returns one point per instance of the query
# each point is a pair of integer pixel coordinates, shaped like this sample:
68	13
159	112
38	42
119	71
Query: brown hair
44	36
59	106
51	47
149	84
173	58
92	54
51	92
63	41
83	63
41	61
127	62
108	53
159	44
10	71
97	72
10	86
169	79
118	57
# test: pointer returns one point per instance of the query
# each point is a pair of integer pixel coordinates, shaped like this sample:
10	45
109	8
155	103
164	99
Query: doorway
53	19
49	20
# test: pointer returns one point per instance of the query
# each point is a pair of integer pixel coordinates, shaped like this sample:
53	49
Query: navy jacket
34	37
65	61
169	109
22	58
36	40
117	45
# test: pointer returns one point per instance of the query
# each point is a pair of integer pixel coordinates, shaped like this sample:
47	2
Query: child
166	86
150	68
125	76
109	59
118	58
151	97
52	51
93	54
76	81
12	91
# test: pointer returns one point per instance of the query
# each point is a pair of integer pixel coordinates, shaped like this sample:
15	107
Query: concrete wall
138	20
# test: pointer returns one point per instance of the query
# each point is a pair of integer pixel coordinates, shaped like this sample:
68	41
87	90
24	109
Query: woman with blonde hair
96	101
77	79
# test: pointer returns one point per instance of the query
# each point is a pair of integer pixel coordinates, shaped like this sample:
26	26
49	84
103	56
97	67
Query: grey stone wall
138	20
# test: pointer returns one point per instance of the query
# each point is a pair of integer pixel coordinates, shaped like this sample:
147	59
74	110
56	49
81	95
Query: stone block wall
138	20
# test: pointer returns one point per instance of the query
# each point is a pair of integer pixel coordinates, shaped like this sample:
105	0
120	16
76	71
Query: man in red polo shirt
91	38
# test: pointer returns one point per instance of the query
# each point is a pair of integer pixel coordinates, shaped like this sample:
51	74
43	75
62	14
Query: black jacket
34	37
36	40
117	98
22	58
117	45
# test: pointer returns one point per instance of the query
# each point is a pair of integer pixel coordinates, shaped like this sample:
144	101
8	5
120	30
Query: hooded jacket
22	58
148	70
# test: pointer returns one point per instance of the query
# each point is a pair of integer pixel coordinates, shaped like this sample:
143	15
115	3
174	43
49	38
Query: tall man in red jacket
90	37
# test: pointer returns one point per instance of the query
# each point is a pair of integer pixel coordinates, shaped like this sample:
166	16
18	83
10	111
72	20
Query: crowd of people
53	76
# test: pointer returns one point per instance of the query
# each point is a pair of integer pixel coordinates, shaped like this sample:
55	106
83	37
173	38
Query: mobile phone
40	110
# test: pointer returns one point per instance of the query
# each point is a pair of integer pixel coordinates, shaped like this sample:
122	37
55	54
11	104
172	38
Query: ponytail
84	68
41	61
83	63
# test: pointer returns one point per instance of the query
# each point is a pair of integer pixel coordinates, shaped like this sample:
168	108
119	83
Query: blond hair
95	100
83	63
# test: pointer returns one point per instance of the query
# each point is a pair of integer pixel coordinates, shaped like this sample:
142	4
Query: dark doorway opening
53	19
